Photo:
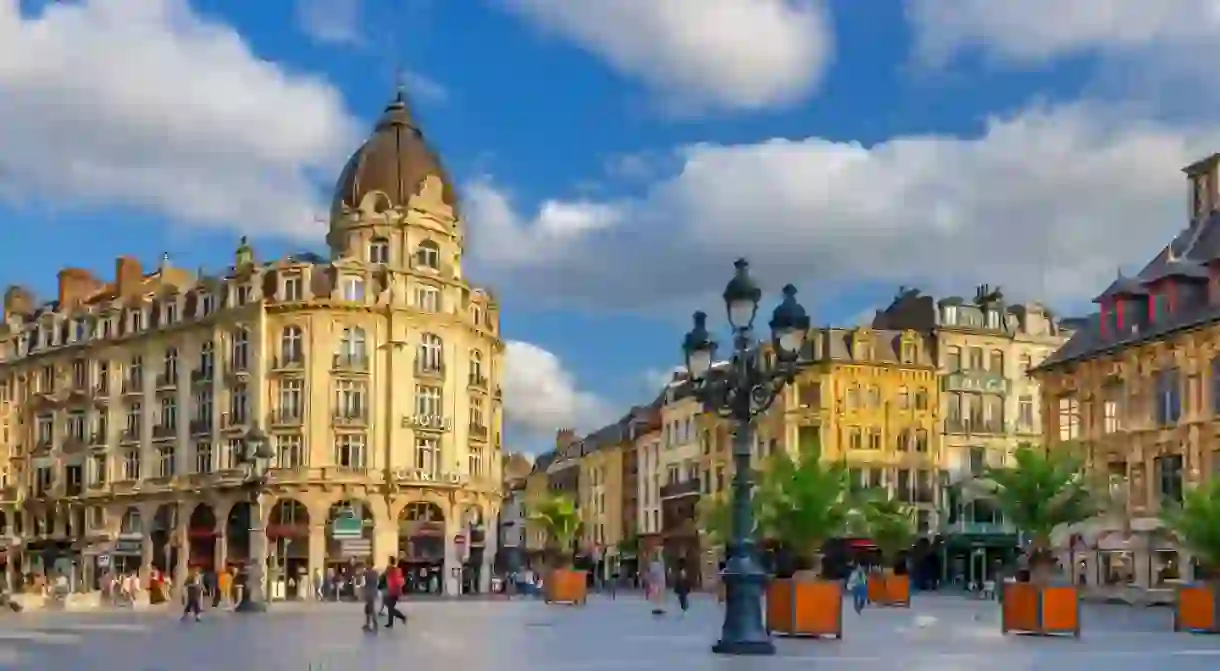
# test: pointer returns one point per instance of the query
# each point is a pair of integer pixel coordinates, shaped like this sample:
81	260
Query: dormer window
170	312
352	288
993	319
242	294
293	289
476	315
82	330
207	304
135	320
428	255
379	250
950	315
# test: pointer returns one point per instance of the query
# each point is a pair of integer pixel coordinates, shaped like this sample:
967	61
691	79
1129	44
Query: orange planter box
567	586
805	608
1040	609
887	589
1198	609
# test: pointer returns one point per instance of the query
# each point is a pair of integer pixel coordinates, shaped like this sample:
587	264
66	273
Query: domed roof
394	160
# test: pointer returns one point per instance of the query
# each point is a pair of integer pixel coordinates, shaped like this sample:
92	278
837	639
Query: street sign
359	547
347	528
459	540
103	561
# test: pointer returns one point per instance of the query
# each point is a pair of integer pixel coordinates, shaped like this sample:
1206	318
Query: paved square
941	632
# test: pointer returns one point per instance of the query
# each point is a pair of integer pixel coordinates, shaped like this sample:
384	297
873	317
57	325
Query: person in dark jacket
682	587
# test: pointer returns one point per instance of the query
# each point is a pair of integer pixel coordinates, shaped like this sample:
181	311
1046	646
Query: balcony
234	420
200	427
285	417
352	418
966	425
73	445
288	361
478	381
430	369
478	432
350	363
165	432
97	439
202	375
130	436
101	390
167	381
497	393
676	490
133	386
9	493
977	528
43	446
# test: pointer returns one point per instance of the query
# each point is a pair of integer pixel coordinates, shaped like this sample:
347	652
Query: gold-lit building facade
374	372
1137	390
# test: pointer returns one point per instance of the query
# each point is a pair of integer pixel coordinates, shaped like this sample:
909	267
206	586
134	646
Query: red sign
459	540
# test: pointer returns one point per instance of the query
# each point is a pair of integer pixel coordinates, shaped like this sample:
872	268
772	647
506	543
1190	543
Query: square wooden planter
887	589
1198	609
811	608
566	586
1044	610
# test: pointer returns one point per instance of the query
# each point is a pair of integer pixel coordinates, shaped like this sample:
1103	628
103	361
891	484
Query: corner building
1138	390
375	373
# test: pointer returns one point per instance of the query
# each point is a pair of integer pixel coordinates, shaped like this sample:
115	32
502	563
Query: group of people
384	588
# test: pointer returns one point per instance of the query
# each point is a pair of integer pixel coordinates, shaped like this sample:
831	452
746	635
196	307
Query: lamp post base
250	606
743	632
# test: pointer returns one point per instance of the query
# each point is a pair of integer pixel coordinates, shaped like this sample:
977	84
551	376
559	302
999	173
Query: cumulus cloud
1047	202
542	396
330	21
149	104
730	54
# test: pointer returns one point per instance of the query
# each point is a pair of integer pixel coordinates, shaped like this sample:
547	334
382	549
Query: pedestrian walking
371	579
682	587
393	592
656	584
857	586
193	591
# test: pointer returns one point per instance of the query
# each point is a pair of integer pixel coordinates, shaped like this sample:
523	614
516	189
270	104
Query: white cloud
1033	31
1046	202
150	105
330	21
541	396
728	54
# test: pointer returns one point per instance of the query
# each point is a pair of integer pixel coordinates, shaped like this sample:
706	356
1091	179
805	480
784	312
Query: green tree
889	523
560	521
715	514
802	503
1196	523
1040	491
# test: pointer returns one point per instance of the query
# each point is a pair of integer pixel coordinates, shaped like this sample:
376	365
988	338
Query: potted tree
803	502
890	524
560	521
1040	491
1196	524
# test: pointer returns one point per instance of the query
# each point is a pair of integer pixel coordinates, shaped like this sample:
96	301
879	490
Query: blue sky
614	156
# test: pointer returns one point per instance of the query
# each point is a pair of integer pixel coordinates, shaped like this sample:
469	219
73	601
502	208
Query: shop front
421	543
968	560
288	542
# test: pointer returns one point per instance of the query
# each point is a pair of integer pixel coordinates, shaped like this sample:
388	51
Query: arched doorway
421	544
471	550
288	538
349	535
130	543
165	551
201	535
237	535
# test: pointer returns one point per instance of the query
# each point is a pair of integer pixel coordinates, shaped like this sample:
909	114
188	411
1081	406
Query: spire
398	111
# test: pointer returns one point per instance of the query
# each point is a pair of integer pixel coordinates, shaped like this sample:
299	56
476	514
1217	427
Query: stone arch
201	536
423	530
4	522
472	528
339	548
164	540
238	522
288	524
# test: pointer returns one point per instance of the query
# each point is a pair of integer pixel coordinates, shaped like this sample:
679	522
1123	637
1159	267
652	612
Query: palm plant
802	503
1196	523
1041	491
890	524
560	520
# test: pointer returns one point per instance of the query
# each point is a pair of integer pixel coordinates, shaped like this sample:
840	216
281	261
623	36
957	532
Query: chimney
75	285
128	275
18	301
564	437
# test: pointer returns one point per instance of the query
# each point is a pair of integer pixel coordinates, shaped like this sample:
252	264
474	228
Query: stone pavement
945	633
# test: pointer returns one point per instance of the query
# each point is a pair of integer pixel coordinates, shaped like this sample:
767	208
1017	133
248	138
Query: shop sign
433	422
347	527
128	547
984	383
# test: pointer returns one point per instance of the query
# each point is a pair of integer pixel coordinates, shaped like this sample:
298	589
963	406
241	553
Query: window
136	320
1025	412
1168	397
903	441
165	462
291	345
203	457
428	455
351	288
430	356
921	399
949	315
874	439
428	401
908	352
993	319
1026	363
476	412
241	349
1109	414
97	469
170	312
289	451
428	255
131	464
476	367
921	441
350	398
976	358
242	294
996	365
235	450
203	407
476	315
170	365
168	419
80	374
854	439
294	287
45	425
904	398
474	459
427	298
135	419
1215	372
1069	418
672	474
207	360
353	344
1169	478
76	425
379	250
135	373
292	397
978	460
207	304
238	404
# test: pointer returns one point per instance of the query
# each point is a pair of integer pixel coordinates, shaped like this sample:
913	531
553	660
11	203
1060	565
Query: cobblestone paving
942	633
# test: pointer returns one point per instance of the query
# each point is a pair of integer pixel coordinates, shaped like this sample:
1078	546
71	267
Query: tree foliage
560	520
715	514
889	523
803	502
1196	522
1041	490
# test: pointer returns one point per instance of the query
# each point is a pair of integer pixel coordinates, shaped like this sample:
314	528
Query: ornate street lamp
740	392
256	456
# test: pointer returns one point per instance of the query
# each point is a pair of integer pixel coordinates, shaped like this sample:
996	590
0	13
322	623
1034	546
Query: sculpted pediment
430	199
